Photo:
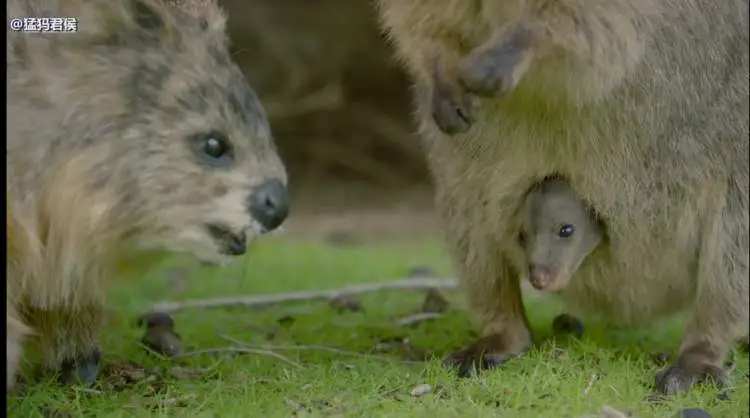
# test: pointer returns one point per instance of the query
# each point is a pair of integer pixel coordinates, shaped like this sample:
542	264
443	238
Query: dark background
340	110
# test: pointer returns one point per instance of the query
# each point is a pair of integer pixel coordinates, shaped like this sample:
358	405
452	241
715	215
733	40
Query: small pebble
152	319
162	341
421	390
160	336
568	324
692	413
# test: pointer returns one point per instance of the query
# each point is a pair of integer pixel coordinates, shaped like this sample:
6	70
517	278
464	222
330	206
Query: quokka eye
566	231
216	146
213	149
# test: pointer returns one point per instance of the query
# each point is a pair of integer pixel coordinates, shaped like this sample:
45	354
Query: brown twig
274	299
318	348
418	318
242	350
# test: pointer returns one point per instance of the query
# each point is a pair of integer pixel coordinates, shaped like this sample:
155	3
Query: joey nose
269	204
539	276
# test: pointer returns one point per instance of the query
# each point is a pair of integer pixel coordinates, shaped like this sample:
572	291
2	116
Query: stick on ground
274	299
241	350
318	348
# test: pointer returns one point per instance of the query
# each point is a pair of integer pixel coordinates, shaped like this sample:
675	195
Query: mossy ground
563	377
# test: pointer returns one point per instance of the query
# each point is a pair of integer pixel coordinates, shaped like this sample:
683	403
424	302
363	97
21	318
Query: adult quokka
134	136
642	105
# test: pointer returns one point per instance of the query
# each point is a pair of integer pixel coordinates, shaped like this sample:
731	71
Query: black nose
269	204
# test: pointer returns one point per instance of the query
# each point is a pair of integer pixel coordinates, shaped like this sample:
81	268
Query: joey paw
82	370
679	378
484	354
494	69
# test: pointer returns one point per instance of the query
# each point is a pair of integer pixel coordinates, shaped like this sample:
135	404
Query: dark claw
466	367
484	354
451	118
82	370
568	324
675	378
452	108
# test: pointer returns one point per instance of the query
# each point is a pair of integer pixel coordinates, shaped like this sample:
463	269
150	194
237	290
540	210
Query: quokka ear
156	15
126	18
149	15
208	14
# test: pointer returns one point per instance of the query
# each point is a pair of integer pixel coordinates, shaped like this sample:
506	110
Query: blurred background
340	110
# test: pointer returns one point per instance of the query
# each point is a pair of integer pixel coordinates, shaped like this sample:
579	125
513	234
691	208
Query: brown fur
104	157
641	104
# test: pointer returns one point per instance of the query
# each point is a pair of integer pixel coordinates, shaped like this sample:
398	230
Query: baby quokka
558	232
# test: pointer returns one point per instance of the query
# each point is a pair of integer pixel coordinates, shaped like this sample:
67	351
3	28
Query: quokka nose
269	204
539	276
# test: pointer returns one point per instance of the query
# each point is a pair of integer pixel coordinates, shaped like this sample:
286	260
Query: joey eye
566	231
213	149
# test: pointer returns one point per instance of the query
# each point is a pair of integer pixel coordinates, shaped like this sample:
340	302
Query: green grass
549	382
